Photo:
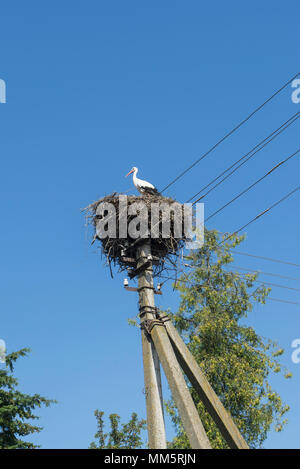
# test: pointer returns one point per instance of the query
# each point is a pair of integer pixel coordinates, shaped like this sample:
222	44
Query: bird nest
122	223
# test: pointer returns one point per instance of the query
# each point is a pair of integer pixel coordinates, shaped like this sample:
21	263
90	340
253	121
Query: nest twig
113	248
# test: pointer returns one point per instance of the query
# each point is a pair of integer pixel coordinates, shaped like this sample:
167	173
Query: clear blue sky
94	88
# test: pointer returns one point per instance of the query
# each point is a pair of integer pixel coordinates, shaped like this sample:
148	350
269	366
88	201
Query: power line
272	274
260	146
267	297
253	185
261	214
256	281
283	301
276	285
270	259
229	133
257	271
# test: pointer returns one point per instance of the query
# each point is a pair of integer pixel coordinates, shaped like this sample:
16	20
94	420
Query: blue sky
94	88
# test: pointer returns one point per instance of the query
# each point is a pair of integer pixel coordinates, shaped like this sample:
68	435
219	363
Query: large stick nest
118	250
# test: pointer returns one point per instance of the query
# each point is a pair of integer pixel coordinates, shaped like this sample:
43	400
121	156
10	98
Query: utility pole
161	343
204	390
152	376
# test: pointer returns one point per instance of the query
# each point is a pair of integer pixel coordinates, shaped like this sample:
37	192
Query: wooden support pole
152	376
206	393
180	392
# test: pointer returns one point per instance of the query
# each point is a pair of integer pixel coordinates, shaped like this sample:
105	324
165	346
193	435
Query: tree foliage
17	408
126	437
215	302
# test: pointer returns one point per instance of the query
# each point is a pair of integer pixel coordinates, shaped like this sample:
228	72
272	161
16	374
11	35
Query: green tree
215	302
17	408
126	437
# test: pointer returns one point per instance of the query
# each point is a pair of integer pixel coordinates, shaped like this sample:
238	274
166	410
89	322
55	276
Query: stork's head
133	170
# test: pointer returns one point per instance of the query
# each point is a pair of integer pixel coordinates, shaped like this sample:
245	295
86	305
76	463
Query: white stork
143	187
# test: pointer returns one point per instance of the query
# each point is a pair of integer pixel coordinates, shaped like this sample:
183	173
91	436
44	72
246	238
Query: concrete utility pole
206	393
152	377
161	343
181	394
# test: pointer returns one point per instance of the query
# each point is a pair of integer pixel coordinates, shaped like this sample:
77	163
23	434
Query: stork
143	187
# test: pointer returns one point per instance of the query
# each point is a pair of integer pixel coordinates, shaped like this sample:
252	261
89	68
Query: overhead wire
283	301
287	123
254	184
230	133
178	280
276	285
250	187
258	271
263	282
261	214
270	259
260	146
271	274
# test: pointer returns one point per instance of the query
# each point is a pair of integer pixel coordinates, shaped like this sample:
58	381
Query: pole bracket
148	324
156	292
134	272
144	309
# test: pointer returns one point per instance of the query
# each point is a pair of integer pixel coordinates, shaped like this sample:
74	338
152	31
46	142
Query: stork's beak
129	173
